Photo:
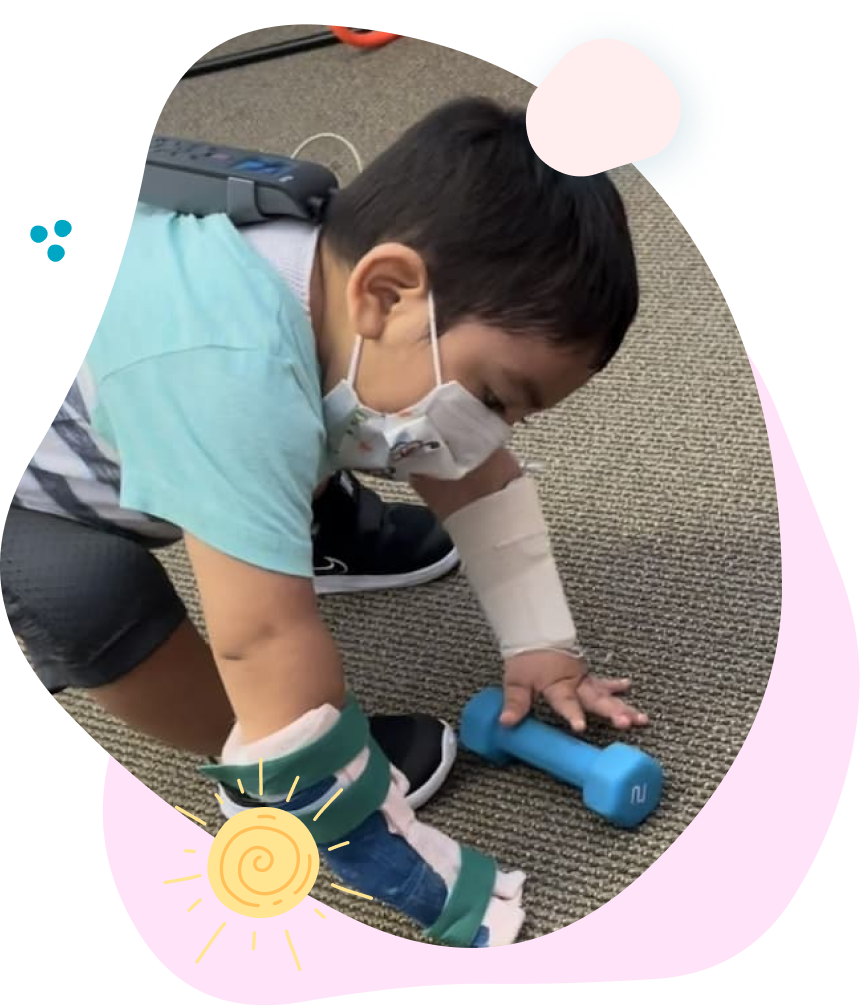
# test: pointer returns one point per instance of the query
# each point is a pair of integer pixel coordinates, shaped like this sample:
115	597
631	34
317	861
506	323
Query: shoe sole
364	584
416	799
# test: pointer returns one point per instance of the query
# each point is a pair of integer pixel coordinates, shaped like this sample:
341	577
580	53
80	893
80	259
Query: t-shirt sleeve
223	443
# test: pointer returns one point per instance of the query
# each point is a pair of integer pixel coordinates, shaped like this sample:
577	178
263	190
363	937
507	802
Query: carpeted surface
658	487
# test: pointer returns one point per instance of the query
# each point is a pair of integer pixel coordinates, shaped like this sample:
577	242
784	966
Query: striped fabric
76	474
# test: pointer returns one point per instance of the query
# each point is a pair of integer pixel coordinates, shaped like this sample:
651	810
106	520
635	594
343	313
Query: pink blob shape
718	889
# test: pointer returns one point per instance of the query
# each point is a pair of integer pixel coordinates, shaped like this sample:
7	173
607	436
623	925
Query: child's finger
605	705
613	709
518	703
624	716
614	686
564	699
605	685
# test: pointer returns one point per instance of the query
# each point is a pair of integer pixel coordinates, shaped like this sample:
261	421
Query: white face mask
445	435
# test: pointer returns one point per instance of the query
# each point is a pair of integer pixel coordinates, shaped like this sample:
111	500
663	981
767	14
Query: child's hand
567	685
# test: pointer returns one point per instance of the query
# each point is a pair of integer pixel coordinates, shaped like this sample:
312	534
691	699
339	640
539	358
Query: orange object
360	38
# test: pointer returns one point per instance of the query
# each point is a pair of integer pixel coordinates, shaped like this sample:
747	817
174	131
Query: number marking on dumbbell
638	794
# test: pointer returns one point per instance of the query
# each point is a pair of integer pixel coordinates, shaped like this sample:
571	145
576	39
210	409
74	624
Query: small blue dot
38	234
56	252
62	228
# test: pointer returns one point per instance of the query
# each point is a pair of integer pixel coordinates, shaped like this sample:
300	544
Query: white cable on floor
331	136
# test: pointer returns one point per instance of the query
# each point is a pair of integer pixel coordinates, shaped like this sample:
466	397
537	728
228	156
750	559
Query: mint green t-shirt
203	378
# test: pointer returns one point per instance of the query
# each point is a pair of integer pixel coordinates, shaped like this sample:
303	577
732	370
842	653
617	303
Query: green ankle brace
461	917
353	805
464	910
318	761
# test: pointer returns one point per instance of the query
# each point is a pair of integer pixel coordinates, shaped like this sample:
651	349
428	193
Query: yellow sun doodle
263	862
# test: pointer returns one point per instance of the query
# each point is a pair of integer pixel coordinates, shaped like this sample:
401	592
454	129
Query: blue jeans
386	867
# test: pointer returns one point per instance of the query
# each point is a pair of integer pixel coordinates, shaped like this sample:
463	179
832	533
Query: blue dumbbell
621	783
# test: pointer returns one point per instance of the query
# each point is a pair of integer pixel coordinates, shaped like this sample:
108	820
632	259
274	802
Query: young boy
456	286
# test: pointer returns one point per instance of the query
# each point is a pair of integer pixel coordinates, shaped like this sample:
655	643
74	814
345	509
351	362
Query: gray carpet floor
658	487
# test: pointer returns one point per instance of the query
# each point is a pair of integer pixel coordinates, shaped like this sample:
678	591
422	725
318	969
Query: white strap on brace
506	554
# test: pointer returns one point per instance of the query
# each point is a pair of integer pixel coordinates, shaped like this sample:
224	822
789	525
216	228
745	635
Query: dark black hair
507	240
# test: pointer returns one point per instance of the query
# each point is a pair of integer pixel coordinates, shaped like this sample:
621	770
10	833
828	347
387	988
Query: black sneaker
422	747
364	543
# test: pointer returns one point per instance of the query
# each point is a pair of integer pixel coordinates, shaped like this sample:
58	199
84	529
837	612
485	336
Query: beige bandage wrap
505	549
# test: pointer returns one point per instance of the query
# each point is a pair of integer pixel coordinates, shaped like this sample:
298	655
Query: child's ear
367	313
386	279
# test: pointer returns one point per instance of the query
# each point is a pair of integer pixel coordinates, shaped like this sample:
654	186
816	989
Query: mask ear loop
354	360
434	339
434	346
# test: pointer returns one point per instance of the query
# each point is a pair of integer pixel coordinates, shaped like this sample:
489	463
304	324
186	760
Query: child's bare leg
302	736
96	611
175	695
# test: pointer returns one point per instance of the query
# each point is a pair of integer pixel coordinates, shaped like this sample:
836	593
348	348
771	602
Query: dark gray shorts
87	604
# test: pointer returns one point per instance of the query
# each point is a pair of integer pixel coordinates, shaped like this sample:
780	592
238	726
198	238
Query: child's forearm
447	497
504	543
